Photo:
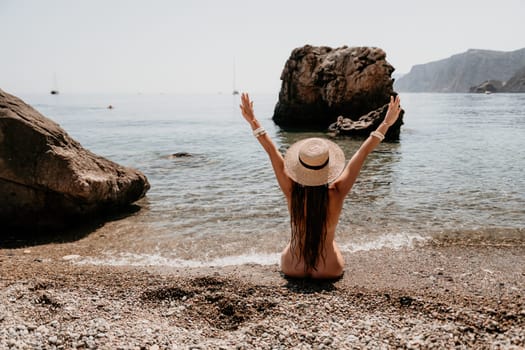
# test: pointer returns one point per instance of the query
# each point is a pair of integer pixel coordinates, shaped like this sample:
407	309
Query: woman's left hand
394	108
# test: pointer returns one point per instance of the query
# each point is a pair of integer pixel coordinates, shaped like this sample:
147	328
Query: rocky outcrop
515	84
365	124
320	83
487	86
48	180
460	72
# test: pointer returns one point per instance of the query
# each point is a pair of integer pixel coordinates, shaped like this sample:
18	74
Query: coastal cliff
516	83
460	72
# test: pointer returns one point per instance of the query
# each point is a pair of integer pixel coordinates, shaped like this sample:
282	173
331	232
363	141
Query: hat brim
310	177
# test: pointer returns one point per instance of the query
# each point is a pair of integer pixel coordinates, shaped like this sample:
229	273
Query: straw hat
314	161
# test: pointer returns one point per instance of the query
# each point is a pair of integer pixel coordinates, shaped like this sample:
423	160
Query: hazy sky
190	46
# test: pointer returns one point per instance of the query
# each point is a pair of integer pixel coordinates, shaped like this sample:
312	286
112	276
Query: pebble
352	338
42	329
70	257
170	312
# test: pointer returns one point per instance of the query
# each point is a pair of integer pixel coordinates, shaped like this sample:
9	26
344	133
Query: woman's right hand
394	108
247	108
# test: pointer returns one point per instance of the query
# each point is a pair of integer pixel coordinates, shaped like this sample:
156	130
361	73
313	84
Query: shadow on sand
310	285
13	238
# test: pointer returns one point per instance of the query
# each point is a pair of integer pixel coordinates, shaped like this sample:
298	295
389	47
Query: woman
315	182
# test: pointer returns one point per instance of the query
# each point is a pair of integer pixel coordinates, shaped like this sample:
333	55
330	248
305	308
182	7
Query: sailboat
55	85
235	91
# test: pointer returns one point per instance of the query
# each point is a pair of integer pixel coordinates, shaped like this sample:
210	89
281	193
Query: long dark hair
308	217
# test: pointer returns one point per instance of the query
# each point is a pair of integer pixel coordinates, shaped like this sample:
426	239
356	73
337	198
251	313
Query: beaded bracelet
259	132
378	134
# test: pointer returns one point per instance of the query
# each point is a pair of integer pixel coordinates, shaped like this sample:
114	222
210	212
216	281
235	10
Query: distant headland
471	71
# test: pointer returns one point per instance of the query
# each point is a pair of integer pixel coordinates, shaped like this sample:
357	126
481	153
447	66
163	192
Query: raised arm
347	179
276	158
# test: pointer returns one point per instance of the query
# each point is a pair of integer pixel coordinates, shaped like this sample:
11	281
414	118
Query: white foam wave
390	241
133	259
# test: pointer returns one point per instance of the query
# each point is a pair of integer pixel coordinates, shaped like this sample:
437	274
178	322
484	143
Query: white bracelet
259	132
378	134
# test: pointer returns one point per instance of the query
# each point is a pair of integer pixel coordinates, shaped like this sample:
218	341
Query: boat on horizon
234	90
54	91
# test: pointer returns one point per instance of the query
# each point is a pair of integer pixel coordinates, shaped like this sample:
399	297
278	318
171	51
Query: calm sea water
457	172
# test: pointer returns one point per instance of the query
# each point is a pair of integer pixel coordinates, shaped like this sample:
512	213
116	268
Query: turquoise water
457	170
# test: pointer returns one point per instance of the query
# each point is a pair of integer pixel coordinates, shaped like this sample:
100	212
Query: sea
457	173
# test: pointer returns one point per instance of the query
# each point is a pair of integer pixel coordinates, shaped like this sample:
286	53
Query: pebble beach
441	294
138	210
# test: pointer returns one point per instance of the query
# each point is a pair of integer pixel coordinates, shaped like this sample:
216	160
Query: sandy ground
438	295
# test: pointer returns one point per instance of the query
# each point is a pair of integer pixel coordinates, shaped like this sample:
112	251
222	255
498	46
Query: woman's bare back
331	263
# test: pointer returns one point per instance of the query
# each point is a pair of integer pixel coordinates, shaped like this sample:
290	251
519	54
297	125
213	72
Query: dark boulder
320	83
48	180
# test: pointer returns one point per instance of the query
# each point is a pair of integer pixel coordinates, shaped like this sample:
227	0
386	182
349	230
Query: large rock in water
47	180
320	84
